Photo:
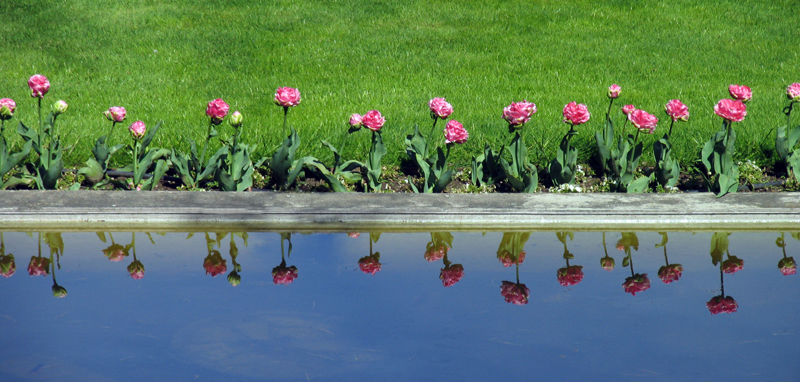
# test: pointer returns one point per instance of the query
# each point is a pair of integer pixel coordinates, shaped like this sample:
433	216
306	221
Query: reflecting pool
601	306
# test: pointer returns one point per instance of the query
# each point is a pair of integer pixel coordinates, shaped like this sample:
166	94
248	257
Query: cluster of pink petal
10	104
719	304
215	265
39	85
7	266
741	93
643	121
732	110
607	263
39	266
217	110
627	109
355	120
677	110
287	97
373	120
137	129
613	91
571	275
576	113
516	294
440	108
793	91
115	113
787	266
732	265
435	253
451	275
369	264
282	275
636	283
518	113
507	259
454	132
353	235
136	269
670	273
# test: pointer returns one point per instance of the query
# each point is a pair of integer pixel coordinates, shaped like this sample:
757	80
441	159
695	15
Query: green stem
517	270
630	261
608	113
285	113
721	282
110	131
41	125
670	128
789	115
135	163
133	244
636	139
604	244
433	128
205	145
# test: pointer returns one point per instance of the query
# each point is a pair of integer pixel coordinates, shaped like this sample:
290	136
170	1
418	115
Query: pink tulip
518	113
450	275
373	120
677	110
7	107
39	85
137	130
287	97
627	109
115	113
217	110
454	132
643	121
793	91
742	93
732	110
355	120
576	113
613	91
440	108
719	304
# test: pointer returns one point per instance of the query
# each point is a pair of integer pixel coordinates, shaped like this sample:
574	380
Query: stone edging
253	211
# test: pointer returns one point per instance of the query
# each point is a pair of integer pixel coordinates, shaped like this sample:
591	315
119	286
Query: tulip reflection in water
637	282
214	264
719	246
371	264
572	274
607	262
669	272
786	265
115	252
41	265
136	268
7	264
438	249
283	275
511	251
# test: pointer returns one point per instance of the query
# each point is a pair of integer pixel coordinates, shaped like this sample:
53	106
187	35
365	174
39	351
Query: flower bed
617	167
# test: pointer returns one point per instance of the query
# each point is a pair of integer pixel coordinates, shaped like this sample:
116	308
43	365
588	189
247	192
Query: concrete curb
271	211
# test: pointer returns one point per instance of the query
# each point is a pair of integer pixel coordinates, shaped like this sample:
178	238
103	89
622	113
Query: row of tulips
510	253
232	167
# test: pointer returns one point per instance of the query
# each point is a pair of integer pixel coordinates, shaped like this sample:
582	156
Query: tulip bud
115	113
137	130
236	119
59	107
234	278
7	106
59	291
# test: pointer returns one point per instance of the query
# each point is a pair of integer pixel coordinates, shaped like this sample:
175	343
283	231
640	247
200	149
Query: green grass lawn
166	59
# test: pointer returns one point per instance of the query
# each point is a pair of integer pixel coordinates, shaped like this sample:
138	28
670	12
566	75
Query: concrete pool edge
269	211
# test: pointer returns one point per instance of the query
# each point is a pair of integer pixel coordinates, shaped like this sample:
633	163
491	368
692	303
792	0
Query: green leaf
93	172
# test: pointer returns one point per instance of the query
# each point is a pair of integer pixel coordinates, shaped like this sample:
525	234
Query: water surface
424	306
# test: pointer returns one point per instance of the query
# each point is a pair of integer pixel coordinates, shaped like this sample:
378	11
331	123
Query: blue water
335	322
